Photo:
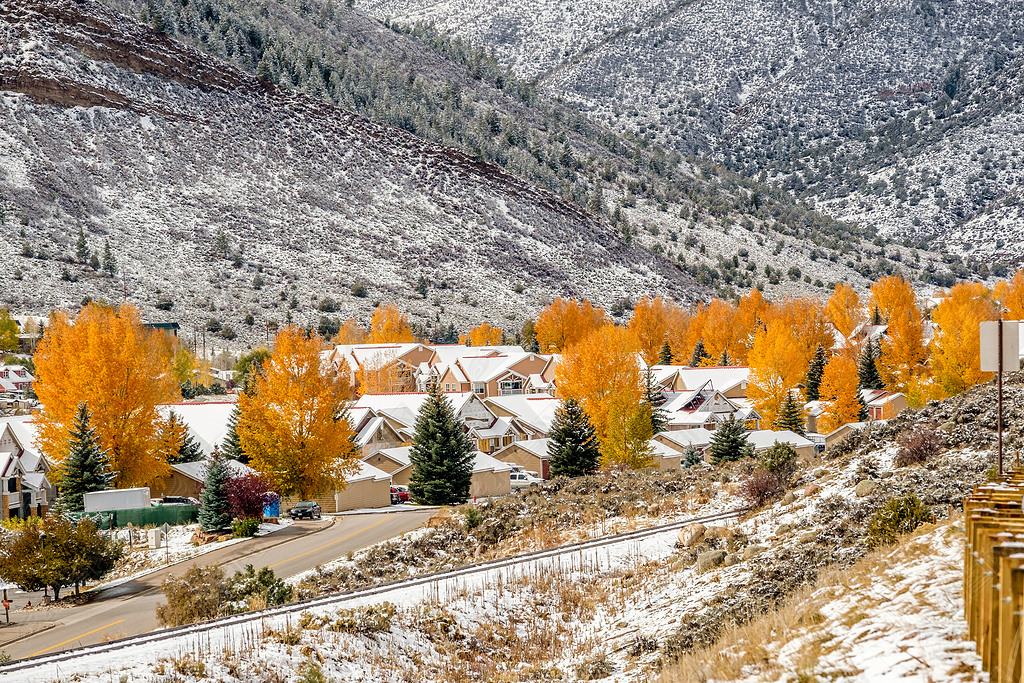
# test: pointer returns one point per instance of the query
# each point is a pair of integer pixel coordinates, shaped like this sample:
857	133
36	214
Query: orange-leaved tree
382	374
841	394
1010	294
295	426
651	323
603	373
903	351
388	325
955	361
844	309
566	321
106	359
483	334
350	332
776	366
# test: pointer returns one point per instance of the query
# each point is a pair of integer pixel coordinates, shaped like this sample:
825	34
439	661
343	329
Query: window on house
510	387
479	388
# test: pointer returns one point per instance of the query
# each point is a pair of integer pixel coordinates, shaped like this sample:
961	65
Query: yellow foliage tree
840	392
565	322
8	332
901	364
603	373
388	325
350	332
106	359
776	366
650	325
955	361
844	309
183	366
382	374
483	334
294	427
1010	294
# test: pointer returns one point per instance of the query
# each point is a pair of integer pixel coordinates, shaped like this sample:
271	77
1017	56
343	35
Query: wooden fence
994	575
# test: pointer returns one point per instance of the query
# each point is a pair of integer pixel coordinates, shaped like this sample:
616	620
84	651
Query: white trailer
117	499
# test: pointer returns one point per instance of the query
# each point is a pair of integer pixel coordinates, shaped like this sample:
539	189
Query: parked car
308	508
395	500
178	500
524	480
403	493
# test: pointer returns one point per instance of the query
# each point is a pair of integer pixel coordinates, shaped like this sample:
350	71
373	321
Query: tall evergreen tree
862	413
81	248
729	442
442	454
815	372
232	447
724	360
876	317
574	450
215	510
86	467
653	398
109	262
699	355
790	415
867	367
665	354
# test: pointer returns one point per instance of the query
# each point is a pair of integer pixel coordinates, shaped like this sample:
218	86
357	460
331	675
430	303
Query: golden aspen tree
350	332
776	366
840	392
722	333
564	322
603	373
382	374
388	325
108	360
8	332
483	334
295	427
844	309
183	366
652	319
901	363
1010	295
955	350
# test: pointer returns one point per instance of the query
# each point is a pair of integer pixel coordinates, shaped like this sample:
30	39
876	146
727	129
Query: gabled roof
698	436
399	456
486	463
404	406
538	447
722	378
197	470
481	463
367	471
497	429
766	438
207	421
534	410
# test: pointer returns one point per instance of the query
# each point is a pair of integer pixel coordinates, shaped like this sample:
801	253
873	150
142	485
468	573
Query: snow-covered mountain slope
828	98
228	196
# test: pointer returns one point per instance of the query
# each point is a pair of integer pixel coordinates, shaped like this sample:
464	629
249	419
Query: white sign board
990	346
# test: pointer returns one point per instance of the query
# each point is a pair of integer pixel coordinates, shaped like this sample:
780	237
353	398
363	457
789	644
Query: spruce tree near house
729	442
665	354
232	447
791	416
442	454
867	367
814	373
574	450
699	355
214	508
86	467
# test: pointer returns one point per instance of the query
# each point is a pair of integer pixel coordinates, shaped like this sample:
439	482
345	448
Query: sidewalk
403	507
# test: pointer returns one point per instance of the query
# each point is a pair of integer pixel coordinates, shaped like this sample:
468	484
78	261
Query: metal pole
999	390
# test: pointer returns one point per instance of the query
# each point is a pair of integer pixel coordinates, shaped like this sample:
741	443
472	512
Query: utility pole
999	390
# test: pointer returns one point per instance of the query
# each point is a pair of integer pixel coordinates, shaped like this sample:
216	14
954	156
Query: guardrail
340	598
994	575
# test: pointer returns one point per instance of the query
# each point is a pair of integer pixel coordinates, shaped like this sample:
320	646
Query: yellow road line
71	640
328	545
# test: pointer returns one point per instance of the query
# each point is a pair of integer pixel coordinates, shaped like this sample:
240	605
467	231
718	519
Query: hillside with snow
902	115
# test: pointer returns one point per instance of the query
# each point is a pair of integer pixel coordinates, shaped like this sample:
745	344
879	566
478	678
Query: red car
401	492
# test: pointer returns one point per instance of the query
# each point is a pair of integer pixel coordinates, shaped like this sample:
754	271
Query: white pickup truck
521	479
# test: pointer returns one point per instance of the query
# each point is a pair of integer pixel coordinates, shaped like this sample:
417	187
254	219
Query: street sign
166	528
990	346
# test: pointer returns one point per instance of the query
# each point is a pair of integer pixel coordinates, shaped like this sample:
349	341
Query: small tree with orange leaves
382	374
901	363
1010	295
388	325
295	427
956	349
844	309
651	323
602	372
776	367
565	322
350	332
483	334
107	360
840	391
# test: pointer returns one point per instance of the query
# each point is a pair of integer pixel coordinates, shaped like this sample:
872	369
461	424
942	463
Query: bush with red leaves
919	445
248	494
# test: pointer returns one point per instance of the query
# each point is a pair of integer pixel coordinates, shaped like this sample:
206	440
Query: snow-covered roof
405	406
367	471
35	480
197	470
698	436
766	438
207	422
369	429
722	378
699	417
498	428
538	447
535	410
486	463
399	455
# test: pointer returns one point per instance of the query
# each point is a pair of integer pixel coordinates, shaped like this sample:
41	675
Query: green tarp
140	517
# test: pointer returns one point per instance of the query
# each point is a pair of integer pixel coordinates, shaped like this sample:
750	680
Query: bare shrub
919	445
760	487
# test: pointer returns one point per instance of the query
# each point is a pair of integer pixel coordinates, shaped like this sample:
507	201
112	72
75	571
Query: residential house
764	439
531	454
188	478
491	373
680	440
15	379
731	381
207	421
24	481
882	404
366	487
706	407
534	412
374	432
491	477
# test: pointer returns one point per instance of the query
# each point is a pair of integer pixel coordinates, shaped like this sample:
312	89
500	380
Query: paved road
130	609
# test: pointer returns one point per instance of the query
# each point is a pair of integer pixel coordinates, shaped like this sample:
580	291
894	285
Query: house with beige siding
491	477
531	454
25	487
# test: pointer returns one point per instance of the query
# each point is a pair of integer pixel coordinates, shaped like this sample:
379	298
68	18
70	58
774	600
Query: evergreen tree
790	415
86	467
814	373
862	413
653	399
724	360
232	447
867	368
529	337
876	317
729	442
81	248
214	510
442	454
574	450
109	262
700	354
691	457
94	262
665	354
